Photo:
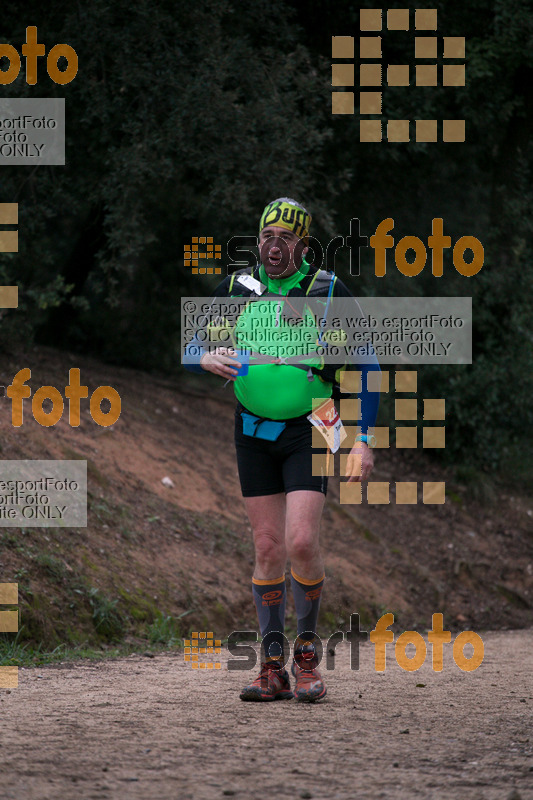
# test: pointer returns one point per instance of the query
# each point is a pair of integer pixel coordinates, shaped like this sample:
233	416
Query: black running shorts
281	466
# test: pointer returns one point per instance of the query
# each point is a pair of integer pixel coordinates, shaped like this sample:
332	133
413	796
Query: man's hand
222	362
360	463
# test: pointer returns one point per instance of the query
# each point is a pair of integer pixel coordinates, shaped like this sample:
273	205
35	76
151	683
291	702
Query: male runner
273	439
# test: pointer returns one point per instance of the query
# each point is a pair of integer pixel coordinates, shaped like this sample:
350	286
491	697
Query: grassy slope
156	562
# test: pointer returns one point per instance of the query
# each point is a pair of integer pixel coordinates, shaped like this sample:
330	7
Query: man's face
280	251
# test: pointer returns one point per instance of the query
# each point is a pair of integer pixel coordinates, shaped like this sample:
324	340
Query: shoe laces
266	668
306	660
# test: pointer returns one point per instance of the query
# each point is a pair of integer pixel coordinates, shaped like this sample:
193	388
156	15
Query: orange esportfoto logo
31	50
9	623
200	645
74	391
375	76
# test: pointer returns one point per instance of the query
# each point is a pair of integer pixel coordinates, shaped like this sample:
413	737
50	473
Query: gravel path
148	728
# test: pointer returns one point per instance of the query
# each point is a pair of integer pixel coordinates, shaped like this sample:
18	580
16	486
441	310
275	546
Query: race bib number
326	419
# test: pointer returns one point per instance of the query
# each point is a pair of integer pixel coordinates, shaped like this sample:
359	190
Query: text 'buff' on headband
284	214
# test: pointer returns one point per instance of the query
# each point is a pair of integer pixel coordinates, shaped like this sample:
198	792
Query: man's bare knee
269	547
303	547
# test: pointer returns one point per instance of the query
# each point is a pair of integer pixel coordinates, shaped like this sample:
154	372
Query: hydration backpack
318	284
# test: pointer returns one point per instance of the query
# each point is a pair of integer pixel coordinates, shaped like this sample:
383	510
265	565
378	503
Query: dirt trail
154	728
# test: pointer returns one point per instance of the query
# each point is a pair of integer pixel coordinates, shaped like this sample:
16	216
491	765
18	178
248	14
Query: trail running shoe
272	684
309	684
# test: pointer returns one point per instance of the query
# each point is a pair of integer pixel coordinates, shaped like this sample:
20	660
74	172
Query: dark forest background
186	118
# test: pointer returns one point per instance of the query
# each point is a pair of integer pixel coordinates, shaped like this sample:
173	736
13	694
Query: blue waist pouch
260	427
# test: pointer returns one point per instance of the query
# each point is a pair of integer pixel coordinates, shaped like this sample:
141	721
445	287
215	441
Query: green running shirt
277	391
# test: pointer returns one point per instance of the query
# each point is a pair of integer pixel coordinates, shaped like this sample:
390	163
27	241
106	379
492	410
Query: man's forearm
193	355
